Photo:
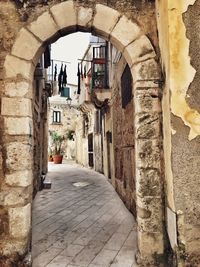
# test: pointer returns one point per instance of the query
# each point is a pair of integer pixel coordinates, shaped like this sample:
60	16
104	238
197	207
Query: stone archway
127	36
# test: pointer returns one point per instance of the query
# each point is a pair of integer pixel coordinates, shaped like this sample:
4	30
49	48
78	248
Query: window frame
56	116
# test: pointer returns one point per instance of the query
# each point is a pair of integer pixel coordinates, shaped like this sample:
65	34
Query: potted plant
70	135
50	155
57	141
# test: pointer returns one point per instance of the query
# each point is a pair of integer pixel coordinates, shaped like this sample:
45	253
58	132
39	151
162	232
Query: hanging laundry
64	77
81	70
79	80
55	72
47	57
60	79
85	72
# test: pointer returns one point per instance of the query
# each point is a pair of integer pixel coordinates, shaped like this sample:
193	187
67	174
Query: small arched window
126	86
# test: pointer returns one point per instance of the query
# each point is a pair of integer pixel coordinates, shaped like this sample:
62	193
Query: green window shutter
65	92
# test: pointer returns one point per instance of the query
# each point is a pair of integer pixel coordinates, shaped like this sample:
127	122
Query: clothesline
62	61
84	60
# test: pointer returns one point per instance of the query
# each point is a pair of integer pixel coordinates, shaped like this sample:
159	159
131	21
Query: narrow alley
81	221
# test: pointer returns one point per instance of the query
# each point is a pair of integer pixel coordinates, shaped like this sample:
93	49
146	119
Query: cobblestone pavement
83	225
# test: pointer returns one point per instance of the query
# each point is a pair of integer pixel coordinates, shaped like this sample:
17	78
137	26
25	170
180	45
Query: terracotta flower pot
57	159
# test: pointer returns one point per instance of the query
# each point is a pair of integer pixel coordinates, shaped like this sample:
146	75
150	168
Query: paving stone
105	257
125	258
46	257
72	250
59	261
87	236
116	241
131	240
78	227
85	257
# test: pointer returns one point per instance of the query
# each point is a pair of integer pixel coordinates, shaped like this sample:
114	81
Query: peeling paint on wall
181	71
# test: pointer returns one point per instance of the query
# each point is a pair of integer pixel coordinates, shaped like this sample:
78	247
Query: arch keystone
84	17
26	45
124	33
64	15
44	27
140	50
104	20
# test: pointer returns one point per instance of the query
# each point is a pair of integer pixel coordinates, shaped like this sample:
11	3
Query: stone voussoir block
146	71
84	17
19	126
104	26
19	178
22	47
64	14
44	27
20	221
140	50
16	107
124	33
14	66
19	156
148	153
18	89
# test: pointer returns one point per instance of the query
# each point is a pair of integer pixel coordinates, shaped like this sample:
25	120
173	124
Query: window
57	116
98	122
126	86
99	68
65	92
85	125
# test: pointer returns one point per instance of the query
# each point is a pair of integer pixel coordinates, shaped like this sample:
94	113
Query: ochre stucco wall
178	28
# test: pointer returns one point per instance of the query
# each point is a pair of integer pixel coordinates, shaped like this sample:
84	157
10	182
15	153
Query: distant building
62	114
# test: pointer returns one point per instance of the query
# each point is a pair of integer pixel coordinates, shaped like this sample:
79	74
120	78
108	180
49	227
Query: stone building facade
110	114
62	119
159	41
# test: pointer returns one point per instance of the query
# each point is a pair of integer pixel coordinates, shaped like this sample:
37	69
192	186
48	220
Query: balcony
99	68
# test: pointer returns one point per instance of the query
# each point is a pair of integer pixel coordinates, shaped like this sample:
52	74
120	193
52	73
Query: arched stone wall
16	109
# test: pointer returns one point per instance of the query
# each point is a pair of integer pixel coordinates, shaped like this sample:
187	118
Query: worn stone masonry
35	23
25	28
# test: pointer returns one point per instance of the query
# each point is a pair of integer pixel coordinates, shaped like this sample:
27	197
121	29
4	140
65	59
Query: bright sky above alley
71	48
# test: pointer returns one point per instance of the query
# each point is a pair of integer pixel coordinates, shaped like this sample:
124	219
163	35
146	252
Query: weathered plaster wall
179	45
